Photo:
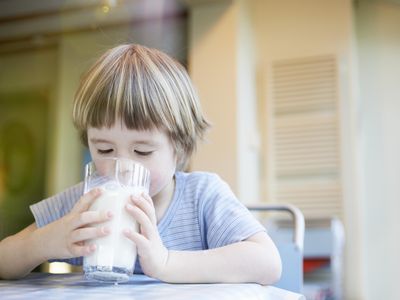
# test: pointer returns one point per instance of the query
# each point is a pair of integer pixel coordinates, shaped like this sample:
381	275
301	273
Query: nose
120	153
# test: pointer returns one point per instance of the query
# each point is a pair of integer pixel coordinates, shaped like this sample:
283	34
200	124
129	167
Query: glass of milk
119	178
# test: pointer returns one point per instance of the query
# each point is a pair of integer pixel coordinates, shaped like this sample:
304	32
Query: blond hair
145	89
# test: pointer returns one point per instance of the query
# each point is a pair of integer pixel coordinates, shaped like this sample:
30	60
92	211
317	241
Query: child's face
153	149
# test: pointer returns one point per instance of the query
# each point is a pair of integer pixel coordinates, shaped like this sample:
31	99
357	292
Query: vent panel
305	137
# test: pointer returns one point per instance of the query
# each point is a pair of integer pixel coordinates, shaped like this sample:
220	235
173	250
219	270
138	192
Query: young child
139	103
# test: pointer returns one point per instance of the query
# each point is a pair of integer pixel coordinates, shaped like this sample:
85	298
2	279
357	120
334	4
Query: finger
147	198
87	233
85	250
91	217
147	227
141	242
86	200
146	206
150	201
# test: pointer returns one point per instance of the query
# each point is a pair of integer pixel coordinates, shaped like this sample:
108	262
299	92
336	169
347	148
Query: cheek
160	177
158	182
155	184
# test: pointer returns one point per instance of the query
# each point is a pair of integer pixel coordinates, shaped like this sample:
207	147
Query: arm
19	253
254	260
64	238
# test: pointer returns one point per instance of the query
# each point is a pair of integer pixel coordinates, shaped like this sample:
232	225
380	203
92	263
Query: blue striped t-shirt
203	214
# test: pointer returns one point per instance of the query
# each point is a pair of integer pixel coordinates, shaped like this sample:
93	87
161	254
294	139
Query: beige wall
378	35
222	68
215	85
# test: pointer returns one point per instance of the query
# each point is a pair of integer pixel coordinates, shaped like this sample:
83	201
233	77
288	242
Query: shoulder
69	195
200	180
203	187
56	206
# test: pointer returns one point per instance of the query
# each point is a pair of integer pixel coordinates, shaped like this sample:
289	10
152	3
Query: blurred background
304	98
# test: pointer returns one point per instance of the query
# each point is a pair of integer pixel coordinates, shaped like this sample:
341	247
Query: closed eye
143	153
105	151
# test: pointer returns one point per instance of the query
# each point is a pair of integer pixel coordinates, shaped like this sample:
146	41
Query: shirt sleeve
226	220
54	208
57	206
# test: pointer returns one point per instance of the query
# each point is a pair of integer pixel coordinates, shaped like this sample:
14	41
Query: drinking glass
119	178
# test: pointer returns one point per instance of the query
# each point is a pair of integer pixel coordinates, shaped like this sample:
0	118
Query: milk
115	255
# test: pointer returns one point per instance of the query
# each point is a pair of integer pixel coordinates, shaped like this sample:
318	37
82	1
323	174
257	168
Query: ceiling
37	23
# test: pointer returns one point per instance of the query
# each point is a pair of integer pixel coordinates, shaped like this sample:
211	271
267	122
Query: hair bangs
122	94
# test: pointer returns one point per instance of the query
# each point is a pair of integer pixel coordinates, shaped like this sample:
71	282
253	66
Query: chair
323	258
291	251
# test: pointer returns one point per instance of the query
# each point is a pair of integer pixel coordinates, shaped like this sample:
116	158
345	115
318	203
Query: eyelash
104	151
141	153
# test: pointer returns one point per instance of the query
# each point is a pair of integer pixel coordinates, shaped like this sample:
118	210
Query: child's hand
152	253
66	237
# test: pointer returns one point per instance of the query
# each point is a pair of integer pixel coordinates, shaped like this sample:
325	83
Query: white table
73	286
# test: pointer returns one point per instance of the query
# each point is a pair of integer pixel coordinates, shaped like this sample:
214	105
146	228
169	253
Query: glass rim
92	166
116	158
